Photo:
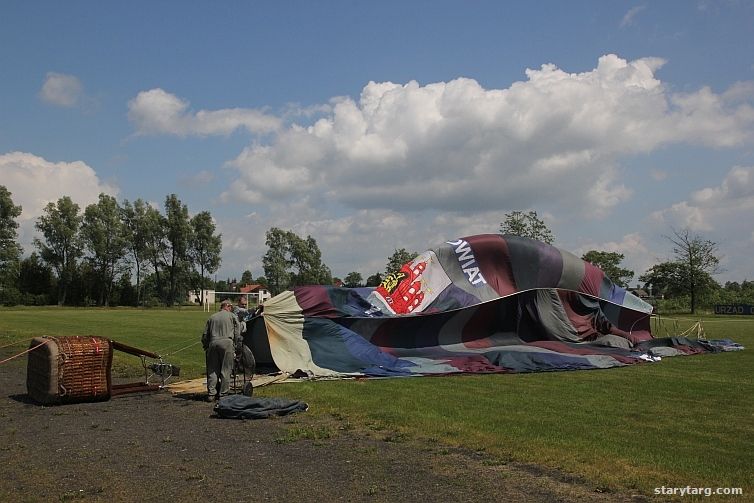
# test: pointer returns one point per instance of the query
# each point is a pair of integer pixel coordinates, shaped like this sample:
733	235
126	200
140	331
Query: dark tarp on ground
247	407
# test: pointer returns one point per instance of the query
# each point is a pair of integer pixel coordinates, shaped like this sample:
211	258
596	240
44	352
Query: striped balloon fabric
478	304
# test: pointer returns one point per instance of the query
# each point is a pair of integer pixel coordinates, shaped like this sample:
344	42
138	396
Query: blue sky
379	125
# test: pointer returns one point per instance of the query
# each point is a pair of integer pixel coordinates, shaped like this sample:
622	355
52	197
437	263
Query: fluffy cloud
552	141
61	90
628	18
721	213
159	112
410	165
35	181
729	203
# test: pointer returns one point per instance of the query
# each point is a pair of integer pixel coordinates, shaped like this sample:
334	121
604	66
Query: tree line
131	253
90	257
683	283
291	261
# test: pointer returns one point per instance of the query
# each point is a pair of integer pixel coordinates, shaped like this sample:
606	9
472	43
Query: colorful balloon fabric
478	304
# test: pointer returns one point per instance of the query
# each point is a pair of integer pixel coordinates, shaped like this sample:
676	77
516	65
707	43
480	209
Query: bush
30	299
10	296
152	302
674	305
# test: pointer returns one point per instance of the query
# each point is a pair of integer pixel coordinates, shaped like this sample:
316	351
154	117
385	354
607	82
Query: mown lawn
685	421
163	331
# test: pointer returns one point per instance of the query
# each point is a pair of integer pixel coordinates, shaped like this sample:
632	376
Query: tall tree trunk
201	283
173	279
108	287
102	287
160	292
62	286
62	292
138	279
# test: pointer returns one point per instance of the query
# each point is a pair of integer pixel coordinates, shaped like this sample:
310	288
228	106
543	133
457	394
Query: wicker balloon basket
69	369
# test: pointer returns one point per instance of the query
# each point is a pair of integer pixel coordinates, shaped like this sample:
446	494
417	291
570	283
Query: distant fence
734	309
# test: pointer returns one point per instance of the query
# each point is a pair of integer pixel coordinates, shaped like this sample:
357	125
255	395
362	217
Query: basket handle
132	350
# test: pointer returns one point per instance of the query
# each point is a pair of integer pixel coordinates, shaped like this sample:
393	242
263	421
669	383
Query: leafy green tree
307	261
247	278
156	248
104	237
10	250
134	217
275	260
609	262
732	286
124	293
374	280
690	274
398	258
740	292
205	247
261	280
293	261
179	236
663	279
527	225
353	280
35	279
61	243
151	295
697	258
84	285
222	286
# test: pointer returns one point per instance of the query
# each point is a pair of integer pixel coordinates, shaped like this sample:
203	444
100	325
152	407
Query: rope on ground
185	347
697	327
24	352
24	340
179	350
721	321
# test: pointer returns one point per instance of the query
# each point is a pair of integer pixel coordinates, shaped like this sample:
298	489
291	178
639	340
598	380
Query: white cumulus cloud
35	181
721	213
61	90
159	112
410	165
730	202
554	140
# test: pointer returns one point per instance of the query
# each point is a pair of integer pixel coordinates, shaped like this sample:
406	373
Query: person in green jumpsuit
221	338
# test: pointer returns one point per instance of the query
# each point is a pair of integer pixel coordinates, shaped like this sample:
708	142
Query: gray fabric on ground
662	351
612	341
247	407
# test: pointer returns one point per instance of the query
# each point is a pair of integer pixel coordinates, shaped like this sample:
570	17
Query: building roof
251	288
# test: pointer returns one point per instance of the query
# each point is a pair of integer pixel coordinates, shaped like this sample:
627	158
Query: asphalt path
159	447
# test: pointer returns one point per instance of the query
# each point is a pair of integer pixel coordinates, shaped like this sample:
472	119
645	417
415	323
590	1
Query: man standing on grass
221	337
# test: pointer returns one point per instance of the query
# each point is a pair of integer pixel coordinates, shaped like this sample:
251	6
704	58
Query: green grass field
685	421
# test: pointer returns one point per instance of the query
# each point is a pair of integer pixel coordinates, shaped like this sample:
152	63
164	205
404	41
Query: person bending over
221	337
